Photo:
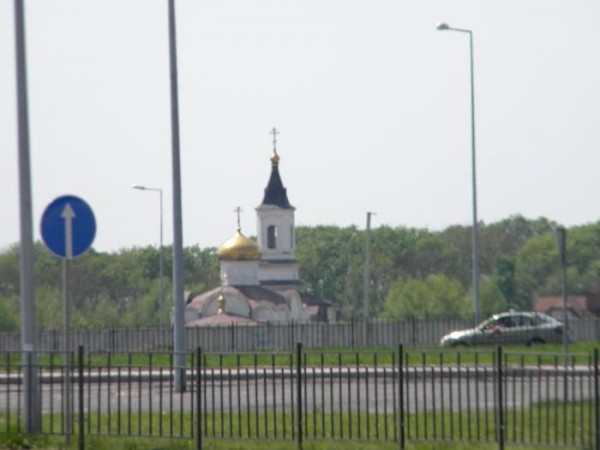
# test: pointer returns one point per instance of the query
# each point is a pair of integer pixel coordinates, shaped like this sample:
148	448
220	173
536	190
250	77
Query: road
323	389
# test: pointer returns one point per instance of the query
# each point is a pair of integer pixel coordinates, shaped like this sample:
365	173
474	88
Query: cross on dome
238	210
275	157
274	132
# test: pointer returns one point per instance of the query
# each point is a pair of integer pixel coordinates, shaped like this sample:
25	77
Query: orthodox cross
238	210
274	132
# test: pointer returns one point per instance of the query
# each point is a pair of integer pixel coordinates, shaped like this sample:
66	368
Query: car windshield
517	320
543	318
492	323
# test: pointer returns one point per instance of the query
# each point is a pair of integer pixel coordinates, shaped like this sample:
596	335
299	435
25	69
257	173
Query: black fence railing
271	336
538	399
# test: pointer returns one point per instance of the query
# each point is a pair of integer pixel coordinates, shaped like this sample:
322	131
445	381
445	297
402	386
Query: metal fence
269	336
401	396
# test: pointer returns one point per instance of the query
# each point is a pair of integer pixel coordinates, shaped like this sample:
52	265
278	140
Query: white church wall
297	312
237	305
284	313
210	307
268	313
239	273
191	314
283	221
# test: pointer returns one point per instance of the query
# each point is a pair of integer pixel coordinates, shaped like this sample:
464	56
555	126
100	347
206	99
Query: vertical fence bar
305	393
81	402
358	396
401	397
198	421
299	431
500	399
340	394
274	393
596	401
129	391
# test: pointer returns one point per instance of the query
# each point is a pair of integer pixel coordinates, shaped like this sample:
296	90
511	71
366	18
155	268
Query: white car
516	328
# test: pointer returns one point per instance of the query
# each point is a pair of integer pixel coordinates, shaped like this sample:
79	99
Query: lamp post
179	336
161	299
29	330
561	238
475	233
367	274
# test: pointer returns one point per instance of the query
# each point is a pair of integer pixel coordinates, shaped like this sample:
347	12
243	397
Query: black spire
275	193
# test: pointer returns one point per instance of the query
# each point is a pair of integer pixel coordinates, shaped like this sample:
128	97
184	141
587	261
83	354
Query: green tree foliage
538	268
436	296
505	280
413	273
9	273
201	268
9	314
536	262
491	297
104	289
327	255
9	289
508	236
583	250
49	308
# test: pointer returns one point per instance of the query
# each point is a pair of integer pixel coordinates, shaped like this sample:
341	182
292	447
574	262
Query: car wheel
535	341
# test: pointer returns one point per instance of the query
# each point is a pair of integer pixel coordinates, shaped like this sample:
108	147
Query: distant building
578	306
260	281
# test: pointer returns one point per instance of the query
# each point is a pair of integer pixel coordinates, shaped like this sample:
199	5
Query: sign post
68	229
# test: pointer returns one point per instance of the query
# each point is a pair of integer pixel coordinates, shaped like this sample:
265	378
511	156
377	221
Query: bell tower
278	266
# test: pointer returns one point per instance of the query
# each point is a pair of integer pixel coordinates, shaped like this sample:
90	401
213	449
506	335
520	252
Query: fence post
299	430
112	339
80	391
198	423
596	402
500	406
401	438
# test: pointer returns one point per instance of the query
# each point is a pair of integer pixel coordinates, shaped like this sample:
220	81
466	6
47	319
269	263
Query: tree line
413	273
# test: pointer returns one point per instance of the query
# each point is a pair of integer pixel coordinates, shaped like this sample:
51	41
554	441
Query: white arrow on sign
68	214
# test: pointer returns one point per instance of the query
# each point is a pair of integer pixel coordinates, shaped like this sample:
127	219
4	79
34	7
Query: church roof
275	193
222	319
239	248
259	293
314	301
251	293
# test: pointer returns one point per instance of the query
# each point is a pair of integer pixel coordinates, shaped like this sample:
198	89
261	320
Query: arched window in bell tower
271	236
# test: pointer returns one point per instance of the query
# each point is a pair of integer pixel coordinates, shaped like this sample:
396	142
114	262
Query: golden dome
239	248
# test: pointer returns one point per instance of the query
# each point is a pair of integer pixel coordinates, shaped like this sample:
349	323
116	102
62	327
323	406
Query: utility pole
561	237
179	345
29	333
367	274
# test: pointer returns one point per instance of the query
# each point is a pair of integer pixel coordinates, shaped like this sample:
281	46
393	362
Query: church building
260	281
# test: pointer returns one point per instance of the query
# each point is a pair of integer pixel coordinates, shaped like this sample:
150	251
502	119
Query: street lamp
179	336
160	254
367	274
561	239
475	234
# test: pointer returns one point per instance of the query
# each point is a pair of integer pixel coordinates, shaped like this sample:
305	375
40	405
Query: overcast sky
371	101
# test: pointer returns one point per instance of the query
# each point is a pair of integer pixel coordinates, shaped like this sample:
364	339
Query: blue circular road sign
68	226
